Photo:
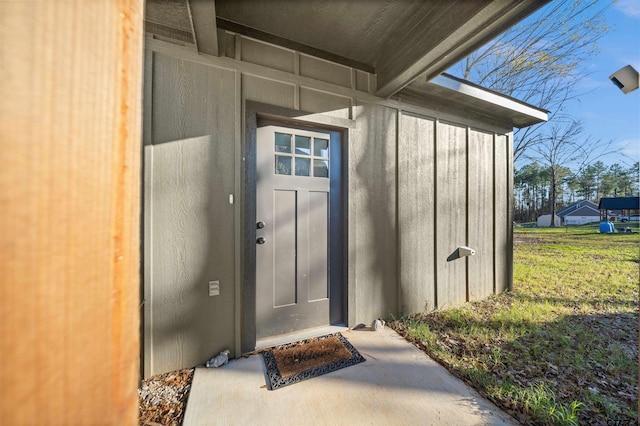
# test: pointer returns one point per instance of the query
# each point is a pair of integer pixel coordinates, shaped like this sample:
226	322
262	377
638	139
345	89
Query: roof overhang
494	18
461	95
397	41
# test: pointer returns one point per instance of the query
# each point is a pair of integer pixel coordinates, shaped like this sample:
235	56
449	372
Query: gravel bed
162	399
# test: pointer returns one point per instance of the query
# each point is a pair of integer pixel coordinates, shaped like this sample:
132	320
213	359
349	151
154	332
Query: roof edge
529	113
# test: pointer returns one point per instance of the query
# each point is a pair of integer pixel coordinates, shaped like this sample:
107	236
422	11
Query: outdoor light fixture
625	78
466	251
460	252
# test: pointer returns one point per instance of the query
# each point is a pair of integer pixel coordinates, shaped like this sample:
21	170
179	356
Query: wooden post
70	120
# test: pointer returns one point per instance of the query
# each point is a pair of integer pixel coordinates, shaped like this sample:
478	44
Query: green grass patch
561	348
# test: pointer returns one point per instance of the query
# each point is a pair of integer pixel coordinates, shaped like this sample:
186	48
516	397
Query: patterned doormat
295	362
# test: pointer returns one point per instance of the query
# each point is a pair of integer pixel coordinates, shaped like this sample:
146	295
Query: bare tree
531	180
540	60
564	144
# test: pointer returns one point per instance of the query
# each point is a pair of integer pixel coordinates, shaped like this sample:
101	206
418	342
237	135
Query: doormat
295	362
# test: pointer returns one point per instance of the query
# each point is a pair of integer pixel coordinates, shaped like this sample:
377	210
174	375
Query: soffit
398	40
361	30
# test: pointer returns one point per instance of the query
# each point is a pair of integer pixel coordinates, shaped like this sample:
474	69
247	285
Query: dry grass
562	347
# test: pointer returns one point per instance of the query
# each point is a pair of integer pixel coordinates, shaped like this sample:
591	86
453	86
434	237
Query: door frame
254	112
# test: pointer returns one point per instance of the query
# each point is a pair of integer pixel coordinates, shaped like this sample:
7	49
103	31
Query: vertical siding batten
238	201
147	317
296	71
510	209
467	219
350	233
146	345
502	214
399	298
237	39
249	140
437	190
496	220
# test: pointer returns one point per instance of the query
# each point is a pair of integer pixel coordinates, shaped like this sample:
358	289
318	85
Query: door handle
261	240
260	225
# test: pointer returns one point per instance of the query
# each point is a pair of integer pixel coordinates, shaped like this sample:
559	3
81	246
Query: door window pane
320	168
321	147
283	165
283	142
303	166
303	145
300	155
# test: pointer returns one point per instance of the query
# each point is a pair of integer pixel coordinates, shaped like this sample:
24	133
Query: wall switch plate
214	288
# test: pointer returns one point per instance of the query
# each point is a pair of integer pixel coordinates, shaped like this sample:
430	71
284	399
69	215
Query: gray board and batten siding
418	182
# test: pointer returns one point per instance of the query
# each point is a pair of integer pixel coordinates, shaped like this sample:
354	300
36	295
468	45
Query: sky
607	113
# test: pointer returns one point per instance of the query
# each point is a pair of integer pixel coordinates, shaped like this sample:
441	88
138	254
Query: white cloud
631	8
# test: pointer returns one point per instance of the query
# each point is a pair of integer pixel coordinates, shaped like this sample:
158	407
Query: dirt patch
520	239
162	399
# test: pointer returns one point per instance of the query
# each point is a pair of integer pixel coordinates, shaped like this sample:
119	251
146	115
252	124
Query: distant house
577	213
544	220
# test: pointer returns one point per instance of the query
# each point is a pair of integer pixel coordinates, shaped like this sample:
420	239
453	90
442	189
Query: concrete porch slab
398	384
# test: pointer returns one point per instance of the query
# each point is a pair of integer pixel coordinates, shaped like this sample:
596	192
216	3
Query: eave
475	100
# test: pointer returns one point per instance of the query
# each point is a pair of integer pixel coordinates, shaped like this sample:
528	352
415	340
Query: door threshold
282	339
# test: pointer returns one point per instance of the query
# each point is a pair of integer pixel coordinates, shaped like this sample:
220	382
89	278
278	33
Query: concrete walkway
397	385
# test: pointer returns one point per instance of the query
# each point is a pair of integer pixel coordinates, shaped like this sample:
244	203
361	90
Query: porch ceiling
396	40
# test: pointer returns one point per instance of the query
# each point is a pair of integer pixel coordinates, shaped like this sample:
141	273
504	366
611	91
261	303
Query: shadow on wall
372	190
185	196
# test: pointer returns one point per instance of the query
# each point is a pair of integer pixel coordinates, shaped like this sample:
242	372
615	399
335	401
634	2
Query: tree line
534	186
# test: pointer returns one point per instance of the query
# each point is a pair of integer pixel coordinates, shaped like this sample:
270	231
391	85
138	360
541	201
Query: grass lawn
562	347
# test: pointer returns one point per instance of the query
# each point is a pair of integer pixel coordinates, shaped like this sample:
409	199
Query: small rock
378	325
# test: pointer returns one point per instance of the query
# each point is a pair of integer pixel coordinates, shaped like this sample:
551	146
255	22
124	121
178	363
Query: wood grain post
70	121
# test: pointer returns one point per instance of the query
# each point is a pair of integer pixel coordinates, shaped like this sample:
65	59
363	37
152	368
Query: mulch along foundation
295	362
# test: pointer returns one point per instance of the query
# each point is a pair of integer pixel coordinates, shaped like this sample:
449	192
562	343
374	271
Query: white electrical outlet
214	288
